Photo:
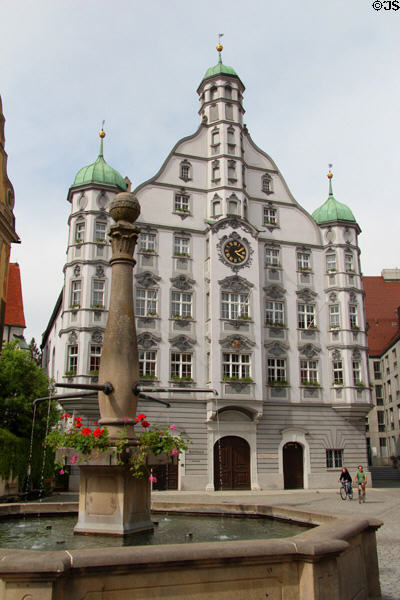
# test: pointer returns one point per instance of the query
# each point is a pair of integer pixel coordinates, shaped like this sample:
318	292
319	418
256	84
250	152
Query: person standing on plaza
360	480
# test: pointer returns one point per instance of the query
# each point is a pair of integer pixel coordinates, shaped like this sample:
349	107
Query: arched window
213	93
232	207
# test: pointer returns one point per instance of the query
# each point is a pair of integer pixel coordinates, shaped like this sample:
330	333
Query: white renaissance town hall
237	289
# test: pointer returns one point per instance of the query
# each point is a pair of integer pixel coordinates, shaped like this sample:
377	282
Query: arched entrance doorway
293	476
231	464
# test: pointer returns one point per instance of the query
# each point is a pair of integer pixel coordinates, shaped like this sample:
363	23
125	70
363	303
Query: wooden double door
231	464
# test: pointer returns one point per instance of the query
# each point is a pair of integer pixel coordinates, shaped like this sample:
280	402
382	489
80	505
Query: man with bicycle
360	480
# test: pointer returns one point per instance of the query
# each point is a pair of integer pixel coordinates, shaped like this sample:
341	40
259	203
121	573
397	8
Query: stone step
384	474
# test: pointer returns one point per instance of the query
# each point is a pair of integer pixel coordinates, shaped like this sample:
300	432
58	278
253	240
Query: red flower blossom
145	424
98	432
152	479
140	418
65	416
86	431
78	425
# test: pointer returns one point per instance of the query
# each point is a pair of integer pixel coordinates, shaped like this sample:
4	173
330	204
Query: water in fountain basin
56	532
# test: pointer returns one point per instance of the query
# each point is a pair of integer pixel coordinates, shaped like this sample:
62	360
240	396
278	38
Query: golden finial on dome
219	45
102	133
330	174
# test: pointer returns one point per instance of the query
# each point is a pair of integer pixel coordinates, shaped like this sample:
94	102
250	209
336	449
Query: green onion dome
99	172
332	210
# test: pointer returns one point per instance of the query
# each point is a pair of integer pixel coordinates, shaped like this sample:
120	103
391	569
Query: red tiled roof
14	305
382	301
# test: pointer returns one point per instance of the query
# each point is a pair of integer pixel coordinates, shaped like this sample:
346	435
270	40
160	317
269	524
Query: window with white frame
181	366
272	257
337	366
306	316
309	372
147	364
331	262
270	216
94	359
234	306
356	372
303	261
266	184
181	304
274	313
334	458
146	302
353	314
334	316
76	293
147	242
181	203
348	263
216	173
185	170
100	231
98	286
80	231
276	370
181	246
72	359
236	366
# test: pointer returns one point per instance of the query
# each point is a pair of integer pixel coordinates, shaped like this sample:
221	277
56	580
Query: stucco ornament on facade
147	279
147	340
236	284
182	342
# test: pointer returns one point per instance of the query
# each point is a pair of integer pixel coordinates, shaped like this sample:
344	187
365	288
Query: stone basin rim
328	537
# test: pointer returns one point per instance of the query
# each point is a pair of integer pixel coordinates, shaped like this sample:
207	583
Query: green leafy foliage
21	382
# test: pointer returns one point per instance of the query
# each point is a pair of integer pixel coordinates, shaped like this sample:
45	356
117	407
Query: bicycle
346	491
361	493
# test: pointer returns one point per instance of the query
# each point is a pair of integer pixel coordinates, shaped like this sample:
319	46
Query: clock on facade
235	252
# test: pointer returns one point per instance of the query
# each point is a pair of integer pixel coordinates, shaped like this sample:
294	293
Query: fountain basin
337	559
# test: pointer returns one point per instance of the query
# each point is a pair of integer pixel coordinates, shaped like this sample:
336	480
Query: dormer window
185	170
266	184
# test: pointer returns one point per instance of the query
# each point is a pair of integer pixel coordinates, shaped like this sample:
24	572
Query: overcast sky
322	86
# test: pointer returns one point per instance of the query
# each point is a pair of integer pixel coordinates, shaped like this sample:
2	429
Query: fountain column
111	501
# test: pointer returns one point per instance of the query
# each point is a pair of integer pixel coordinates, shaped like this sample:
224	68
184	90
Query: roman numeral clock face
235	252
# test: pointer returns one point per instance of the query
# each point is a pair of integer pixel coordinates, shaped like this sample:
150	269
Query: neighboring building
14	320
237	288
7	223
382	303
